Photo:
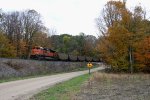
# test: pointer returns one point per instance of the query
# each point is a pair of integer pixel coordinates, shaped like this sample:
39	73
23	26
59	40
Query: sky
67	16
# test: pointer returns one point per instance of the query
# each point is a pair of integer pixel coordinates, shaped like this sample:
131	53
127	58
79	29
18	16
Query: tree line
125	40
22	30
81	45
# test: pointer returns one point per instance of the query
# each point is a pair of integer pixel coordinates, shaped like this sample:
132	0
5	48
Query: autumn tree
121	30
11	25
142	55
6	48
142	52
42	38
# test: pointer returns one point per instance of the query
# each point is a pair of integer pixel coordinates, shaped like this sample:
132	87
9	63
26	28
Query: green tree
66	41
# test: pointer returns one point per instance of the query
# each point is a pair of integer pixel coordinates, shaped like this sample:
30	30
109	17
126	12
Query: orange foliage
124	37
142	55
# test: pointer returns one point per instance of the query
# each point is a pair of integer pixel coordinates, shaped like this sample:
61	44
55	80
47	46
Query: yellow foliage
124	29
6	49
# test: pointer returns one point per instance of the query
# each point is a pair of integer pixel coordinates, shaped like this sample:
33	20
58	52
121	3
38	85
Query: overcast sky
67	16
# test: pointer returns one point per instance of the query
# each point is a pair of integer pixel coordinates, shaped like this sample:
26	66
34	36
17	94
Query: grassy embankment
40	75
62	91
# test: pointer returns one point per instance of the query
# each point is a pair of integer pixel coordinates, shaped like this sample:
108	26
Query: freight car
49	54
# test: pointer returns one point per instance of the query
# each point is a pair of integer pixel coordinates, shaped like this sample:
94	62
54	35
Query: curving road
24	89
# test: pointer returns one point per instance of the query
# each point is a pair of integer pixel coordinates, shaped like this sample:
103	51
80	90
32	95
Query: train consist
48	54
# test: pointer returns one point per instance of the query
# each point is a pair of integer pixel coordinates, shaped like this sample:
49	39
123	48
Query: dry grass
104	86
105	76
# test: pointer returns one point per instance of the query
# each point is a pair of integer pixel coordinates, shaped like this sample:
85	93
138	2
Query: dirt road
23	89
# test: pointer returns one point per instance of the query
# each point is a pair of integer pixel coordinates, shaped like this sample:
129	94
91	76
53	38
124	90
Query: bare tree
32	25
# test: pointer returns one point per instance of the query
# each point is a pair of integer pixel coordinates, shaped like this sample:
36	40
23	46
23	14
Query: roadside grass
99	77
62	91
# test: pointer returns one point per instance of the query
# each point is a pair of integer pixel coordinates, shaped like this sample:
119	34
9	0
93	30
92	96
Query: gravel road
24	89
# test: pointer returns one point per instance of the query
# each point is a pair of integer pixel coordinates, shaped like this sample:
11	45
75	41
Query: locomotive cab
36	52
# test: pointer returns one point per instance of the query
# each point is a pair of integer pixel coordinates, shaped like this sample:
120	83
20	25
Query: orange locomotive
43	53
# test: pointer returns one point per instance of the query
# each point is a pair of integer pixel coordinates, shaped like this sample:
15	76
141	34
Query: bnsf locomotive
49	54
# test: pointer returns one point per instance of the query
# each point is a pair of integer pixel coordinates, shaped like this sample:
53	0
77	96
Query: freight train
49	54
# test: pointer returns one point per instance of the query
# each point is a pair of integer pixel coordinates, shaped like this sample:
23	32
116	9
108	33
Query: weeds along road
24	89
